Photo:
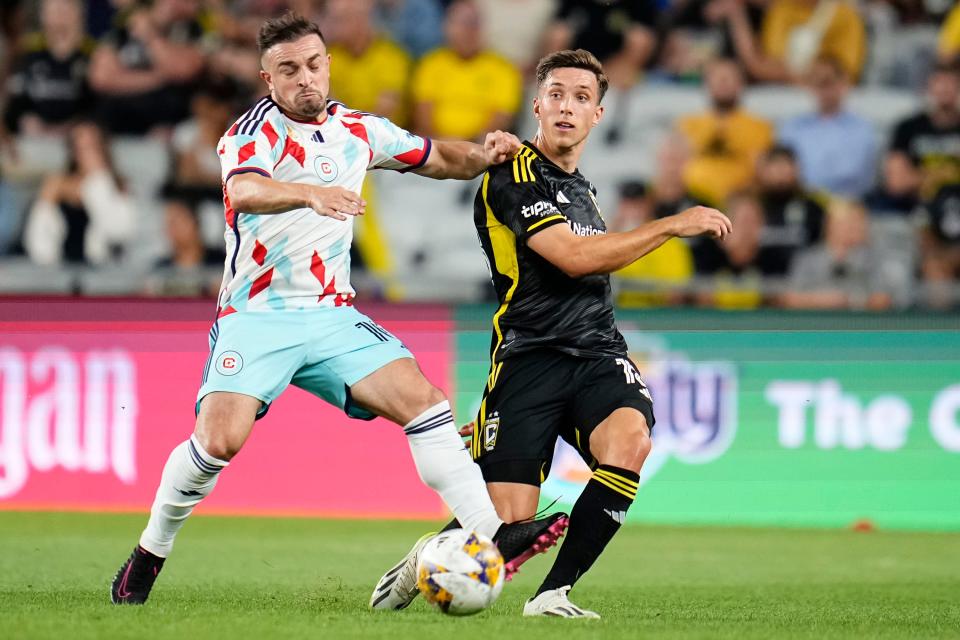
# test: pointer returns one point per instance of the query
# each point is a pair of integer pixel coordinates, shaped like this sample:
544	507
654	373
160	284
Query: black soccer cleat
135	578
520	541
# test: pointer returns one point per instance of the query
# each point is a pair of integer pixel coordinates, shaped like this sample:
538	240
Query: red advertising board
94	396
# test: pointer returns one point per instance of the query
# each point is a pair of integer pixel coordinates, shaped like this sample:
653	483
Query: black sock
595	518
453	524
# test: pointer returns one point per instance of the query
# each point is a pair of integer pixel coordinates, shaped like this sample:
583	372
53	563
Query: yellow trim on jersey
523	166
544	221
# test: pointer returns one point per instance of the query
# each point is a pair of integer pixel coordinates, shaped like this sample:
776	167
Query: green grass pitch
301	578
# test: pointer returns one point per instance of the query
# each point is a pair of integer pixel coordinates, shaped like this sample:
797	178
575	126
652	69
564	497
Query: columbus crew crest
491	427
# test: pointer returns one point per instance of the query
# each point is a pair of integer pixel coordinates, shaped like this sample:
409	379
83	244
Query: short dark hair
834	63
780	151
287	28
949	66
568	58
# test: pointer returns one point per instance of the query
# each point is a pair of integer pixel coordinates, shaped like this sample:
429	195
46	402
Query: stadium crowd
112	110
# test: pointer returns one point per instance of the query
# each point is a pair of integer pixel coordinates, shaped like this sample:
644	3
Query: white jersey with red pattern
299	259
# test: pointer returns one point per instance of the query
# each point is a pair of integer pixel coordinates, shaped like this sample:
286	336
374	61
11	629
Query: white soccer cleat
555	603
398	586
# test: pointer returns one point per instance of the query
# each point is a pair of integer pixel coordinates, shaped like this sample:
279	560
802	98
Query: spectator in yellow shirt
949	45
653	280
726	140
462	90
368	72
794	34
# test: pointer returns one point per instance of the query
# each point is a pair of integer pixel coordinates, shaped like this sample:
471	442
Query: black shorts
532	398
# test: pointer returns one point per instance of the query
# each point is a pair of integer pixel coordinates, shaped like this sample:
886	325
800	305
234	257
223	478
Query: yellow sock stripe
620	487
629	494
630	484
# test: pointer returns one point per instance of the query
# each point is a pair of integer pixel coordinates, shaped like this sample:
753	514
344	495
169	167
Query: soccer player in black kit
558	365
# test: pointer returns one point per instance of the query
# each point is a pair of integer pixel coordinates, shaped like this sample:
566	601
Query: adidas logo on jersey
562	199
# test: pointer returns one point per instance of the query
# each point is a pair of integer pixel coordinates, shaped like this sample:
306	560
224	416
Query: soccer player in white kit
293	167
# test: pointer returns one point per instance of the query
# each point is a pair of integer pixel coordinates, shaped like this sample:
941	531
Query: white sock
445	466
188	477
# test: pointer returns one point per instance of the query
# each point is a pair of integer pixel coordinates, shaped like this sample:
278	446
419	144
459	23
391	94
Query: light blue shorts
322	351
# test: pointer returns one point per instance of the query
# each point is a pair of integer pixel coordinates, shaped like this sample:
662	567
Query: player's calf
602	507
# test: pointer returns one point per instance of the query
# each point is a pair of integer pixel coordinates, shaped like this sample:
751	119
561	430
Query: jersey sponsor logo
229	363
491	428
585	230
540	209
326	168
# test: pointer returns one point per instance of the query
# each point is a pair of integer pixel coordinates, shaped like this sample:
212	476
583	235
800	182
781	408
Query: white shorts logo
229	363
326	168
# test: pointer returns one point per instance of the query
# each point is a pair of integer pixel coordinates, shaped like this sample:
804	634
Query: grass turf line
286	578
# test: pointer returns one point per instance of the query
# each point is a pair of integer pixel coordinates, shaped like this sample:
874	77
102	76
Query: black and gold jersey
540	306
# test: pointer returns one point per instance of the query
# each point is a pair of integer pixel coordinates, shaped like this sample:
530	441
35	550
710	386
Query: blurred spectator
668	194
726	140
186	271
83	215
939	222
367	71
619	32
794	34
11	27
417	25
48	89
696	31
462	90
845	271
234	56
515	29
143	70
836	149
931	140
899	188
792	219
949	45
738	264
194	142
651	280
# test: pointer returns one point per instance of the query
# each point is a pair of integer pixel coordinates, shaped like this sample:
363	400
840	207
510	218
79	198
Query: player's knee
219	445
423	398
625	444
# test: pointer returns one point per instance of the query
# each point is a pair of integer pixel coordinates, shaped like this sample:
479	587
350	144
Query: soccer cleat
398	587
520	541
556	603
135	578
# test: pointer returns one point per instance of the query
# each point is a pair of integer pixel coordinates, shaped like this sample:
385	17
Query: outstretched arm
463	160
579	256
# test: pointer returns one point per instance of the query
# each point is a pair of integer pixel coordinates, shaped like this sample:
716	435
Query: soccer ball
460	572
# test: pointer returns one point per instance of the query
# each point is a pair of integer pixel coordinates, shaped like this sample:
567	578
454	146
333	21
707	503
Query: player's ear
265	76
536	108
598	115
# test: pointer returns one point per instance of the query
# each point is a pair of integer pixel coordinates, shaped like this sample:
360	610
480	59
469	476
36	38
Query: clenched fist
500	146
